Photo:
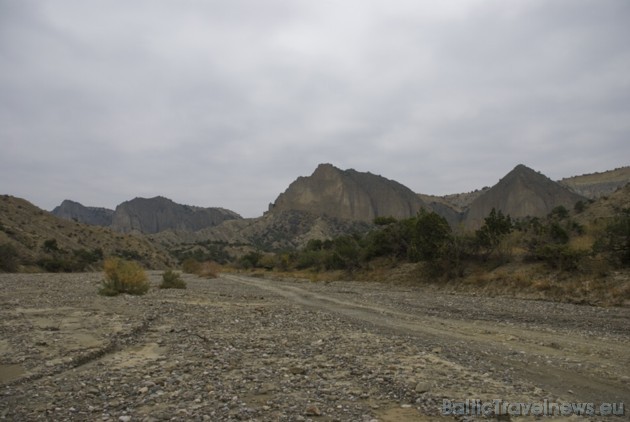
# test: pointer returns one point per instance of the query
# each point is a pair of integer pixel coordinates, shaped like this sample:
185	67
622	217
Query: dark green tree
496	226
432	234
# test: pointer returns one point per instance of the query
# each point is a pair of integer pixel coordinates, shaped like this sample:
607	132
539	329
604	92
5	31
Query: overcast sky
226	102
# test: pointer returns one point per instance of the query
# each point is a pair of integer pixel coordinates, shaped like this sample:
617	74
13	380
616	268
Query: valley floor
242	348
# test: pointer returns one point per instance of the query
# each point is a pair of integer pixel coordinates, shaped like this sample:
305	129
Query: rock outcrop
348	195
522	192
153	215
71	210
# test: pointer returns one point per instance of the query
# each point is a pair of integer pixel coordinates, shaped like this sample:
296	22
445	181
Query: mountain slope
596	185
157	214
35	234
522	192
349	195
279	230
71	210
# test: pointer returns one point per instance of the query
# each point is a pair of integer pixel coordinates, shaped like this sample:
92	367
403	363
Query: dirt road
242	348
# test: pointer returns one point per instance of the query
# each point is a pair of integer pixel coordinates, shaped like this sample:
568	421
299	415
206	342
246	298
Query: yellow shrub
123	276
209	269
191	266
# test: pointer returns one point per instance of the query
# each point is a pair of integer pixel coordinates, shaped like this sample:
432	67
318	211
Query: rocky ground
242	348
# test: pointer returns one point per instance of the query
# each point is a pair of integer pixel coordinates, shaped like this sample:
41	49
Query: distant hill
146	215
71	210
36	236
279	230
157	214
348	195
595	185
522	192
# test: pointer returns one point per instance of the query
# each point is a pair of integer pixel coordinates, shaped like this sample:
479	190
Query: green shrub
57	265
8	258
172	280
50	245
123	277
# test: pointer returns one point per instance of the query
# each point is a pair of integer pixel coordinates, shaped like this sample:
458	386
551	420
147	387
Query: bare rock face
70	210
157	214
348	195
522	192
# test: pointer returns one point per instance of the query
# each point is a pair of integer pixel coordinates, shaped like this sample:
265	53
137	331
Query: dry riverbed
241	348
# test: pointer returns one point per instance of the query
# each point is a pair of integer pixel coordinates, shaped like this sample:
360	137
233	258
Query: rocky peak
520	193
348	194
153	215
71	210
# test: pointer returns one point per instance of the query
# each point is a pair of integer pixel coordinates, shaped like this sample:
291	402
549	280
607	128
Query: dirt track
241	348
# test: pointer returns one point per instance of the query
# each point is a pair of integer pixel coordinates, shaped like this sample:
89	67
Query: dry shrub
123	276
191	266
209	269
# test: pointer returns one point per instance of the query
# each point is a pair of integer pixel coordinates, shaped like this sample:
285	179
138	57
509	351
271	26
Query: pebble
220	351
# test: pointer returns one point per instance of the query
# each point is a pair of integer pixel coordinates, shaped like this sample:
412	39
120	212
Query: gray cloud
224	103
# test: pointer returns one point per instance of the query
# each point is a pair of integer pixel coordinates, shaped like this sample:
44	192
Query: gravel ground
241	348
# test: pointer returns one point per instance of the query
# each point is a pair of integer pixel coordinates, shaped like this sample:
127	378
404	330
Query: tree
344	255
496	226
432	233
50	245
615	241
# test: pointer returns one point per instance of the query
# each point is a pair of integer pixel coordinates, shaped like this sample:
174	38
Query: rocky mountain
32	236
522	192
71	210
348	195
596	185
153	215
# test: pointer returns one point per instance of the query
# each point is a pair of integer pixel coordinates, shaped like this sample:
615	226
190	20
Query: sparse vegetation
123	276
172	280
203	251
207	269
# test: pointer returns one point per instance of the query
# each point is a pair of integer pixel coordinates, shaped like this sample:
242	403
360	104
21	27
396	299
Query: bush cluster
172	280
123	276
